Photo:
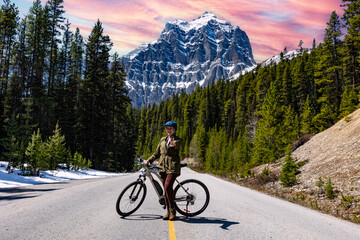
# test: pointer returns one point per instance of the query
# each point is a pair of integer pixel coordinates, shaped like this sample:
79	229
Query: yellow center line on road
172	235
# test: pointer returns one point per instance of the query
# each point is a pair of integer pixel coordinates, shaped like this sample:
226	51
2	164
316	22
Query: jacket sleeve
156	155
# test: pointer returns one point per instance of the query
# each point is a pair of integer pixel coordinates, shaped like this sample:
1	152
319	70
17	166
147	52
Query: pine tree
18	130
142	131
71	122
18	88
290	127
202	140
92	118
263	81
242	152
300	46
352	43
349	102
301	86
120	125
36	154
288	172
306	118
214	150
243	104
8	24
18	103
36	43
9	18
228	117
59	111
188	119
129	137
286	89
55	149
327	75
54	19
329	189
314	44
76	161
267	144
11	144
332	47
325	118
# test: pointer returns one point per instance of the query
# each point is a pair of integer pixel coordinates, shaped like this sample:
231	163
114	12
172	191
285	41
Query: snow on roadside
15	180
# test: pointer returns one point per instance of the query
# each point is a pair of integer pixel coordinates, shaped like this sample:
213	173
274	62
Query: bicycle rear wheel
131	198
191	197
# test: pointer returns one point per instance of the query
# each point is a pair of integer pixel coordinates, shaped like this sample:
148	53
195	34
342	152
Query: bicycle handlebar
138	155
154	166
142	160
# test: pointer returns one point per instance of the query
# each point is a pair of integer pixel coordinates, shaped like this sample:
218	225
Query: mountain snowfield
187	54
289	55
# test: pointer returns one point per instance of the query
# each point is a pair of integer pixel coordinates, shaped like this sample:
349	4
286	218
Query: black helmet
172	124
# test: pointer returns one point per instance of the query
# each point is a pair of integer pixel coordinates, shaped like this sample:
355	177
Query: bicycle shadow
224	223
137	217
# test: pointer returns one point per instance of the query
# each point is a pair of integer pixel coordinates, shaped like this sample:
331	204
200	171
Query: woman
167	152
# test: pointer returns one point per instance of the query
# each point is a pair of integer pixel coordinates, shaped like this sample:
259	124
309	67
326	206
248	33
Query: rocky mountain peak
186	54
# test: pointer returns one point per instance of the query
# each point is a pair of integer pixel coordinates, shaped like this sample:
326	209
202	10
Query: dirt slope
332	154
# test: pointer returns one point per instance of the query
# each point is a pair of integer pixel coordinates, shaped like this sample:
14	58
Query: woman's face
170	130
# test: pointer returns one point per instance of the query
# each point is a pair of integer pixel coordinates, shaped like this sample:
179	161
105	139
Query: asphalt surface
85	209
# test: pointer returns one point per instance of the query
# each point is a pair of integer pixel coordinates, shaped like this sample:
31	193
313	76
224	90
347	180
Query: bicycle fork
133	197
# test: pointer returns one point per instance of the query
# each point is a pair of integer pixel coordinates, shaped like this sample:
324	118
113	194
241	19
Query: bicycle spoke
191	198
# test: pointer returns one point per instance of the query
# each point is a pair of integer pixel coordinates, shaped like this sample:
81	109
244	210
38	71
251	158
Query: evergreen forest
63	99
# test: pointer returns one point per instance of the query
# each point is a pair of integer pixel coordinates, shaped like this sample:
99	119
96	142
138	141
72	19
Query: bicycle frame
148	172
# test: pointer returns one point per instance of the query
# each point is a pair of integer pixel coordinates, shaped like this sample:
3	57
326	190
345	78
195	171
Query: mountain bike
191	196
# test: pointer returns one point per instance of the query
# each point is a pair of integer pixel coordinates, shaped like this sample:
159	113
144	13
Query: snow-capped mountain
186	54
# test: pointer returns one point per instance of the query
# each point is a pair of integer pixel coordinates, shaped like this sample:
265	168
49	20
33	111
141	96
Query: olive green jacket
169	159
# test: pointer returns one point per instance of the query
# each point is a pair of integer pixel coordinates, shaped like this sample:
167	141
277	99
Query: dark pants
168	182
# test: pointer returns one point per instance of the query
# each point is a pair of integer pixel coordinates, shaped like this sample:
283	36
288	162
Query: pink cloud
270	24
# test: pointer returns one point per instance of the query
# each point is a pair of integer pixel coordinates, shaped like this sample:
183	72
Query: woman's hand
172	143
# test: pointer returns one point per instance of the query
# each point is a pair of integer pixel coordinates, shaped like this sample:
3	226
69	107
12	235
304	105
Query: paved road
85	209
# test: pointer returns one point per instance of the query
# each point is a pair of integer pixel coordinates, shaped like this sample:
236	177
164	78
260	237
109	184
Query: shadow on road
224	223
142	217
10	194
17	197
25	190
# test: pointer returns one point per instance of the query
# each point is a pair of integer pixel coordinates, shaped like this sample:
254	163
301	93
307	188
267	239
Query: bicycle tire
127	203
197	199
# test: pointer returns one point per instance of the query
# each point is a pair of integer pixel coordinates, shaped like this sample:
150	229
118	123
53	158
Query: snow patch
203	21
15	180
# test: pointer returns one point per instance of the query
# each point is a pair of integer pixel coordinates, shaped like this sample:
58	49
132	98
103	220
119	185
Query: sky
271	25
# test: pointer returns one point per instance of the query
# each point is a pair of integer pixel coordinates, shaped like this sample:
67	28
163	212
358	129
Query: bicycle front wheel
131	198
191	197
